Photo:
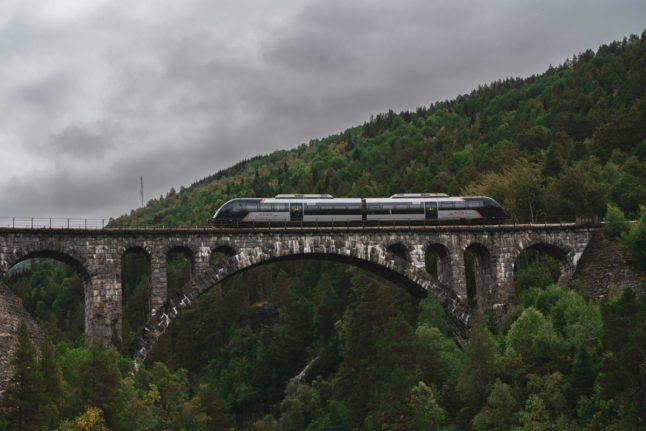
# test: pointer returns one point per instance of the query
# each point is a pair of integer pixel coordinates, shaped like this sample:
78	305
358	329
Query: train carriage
325	209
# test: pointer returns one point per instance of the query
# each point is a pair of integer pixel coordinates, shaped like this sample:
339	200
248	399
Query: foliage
499	413
90	420
635	240
616	223
53	294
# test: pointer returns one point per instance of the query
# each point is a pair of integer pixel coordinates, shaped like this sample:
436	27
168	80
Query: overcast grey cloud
96	93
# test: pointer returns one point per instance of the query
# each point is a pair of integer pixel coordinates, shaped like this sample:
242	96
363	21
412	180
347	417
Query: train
322	209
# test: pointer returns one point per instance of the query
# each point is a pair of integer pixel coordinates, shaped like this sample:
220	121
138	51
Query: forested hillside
324	346
567	141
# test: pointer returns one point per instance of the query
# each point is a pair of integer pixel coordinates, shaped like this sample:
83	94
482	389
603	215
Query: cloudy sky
96	93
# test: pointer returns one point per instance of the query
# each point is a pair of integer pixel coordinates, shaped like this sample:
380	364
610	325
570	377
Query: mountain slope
580	123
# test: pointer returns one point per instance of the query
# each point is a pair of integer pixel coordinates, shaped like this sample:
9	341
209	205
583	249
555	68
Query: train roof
418	195
304	196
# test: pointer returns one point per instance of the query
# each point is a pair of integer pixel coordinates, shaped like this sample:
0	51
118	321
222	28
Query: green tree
397	364
425	411
533	338
621	374
616	223
635	240
99	380
300	407
52	385
500	411
215	408
519	189
267	423
578	190
480	371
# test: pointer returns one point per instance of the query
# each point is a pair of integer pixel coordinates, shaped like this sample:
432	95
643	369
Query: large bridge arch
415	280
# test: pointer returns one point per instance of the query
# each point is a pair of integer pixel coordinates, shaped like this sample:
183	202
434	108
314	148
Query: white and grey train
408	208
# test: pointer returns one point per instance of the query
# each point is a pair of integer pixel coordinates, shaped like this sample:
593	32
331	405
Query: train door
296	211
431	210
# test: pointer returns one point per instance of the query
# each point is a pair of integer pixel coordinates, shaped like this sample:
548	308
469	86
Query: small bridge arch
56	252
565	255
437	261
49	252
184	250
399	250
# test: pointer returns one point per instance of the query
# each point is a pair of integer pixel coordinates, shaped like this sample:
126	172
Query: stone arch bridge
395	253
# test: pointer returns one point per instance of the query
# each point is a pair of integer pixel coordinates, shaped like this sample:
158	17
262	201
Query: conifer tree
52	385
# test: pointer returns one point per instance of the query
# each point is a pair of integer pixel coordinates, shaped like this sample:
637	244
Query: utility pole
142	190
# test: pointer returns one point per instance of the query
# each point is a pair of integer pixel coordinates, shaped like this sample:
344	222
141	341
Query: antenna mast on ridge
142	190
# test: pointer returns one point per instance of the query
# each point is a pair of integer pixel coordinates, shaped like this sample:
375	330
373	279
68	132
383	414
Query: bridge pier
158	280
503	267
201	258
103	313
458	275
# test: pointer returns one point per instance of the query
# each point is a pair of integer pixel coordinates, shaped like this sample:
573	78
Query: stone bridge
398	254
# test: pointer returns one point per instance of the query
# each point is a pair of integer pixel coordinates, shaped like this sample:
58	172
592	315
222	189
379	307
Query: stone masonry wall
603	267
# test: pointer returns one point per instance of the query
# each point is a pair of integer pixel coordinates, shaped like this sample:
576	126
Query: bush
635	240
616	223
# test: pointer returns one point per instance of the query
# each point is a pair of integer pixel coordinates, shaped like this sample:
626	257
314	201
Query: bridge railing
85	223
507	221
52	223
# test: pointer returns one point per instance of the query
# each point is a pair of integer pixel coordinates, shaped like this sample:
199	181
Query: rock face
12	314
603	267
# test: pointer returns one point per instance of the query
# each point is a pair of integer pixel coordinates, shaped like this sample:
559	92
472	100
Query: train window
265	207
281	207
446	205
319	209
349	208
333	208
474	204
408	208
353	208
251	206
377	208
